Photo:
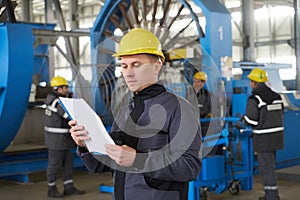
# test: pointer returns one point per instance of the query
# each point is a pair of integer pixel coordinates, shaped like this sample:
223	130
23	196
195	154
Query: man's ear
158	67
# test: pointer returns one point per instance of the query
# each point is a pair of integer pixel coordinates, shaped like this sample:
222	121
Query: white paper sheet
79	110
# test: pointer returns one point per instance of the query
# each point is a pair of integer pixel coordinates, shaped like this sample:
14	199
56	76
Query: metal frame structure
231	170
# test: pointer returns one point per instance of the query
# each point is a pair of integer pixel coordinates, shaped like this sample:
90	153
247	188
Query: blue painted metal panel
295	102
16	55
17	166
290	155
212	6
218	34
240	102
214	168
19	62
41	60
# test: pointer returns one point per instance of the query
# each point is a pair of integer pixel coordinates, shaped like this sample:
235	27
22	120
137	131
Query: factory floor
289	187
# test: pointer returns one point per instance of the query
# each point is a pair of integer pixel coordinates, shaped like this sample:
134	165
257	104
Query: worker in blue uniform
157	135
59	141
264	112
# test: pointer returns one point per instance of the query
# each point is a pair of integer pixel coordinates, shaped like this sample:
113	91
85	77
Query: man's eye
124	66
137	64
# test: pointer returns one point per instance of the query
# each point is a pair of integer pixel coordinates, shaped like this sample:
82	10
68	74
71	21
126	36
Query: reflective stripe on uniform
269	130
56	130
271	187
52	107
274	107
51	184
277	101
68	181
251	121
65	116
261	103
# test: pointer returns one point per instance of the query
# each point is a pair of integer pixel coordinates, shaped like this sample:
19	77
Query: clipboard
79	110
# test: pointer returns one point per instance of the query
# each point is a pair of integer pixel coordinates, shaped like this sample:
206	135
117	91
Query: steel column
26	10
297	41
248	25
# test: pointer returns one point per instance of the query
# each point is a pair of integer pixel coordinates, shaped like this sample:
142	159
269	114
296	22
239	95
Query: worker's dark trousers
59	159
266	164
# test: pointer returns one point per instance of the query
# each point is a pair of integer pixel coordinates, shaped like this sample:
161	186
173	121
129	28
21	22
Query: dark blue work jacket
168	149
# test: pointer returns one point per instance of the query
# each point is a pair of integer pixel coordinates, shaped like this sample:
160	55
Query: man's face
198	84
64	90
140	71
253	84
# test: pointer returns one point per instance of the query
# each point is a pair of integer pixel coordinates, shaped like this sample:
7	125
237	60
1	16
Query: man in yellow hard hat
264	112
157	136
203	97
58	140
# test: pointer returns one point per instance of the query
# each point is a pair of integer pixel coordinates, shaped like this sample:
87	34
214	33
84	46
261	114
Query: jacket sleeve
180	160
251	117
62	112
91	162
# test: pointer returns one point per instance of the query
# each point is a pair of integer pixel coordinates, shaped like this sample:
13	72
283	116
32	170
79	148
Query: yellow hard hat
58	81
139	41
201	76
258	75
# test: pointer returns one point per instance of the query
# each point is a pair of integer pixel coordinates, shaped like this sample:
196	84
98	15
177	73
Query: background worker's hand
123	155
78	133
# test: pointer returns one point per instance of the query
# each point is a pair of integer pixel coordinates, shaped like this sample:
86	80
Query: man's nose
129	72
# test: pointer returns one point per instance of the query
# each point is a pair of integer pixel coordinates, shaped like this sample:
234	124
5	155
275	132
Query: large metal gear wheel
174	22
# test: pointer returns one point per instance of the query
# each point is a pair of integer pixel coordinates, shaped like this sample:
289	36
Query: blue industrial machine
23	58
16	75
18	65
230	170
122	16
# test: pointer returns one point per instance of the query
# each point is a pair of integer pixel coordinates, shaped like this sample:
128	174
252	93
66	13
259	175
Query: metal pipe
73	33
172	40
297	41
135	11
74	24
177	15
154	10
248	25
124	13
144	10
115	21
49	17
62	24
25	4
166	9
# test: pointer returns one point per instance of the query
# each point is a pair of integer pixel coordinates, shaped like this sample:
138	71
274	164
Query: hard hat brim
152	52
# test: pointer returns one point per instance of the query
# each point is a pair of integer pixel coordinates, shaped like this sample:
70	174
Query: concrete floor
289	187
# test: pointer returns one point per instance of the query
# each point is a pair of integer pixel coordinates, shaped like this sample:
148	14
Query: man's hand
123	155
78	133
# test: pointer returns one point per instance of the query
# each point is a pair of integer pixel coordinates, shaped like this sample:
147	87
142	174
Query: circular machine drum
177	25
